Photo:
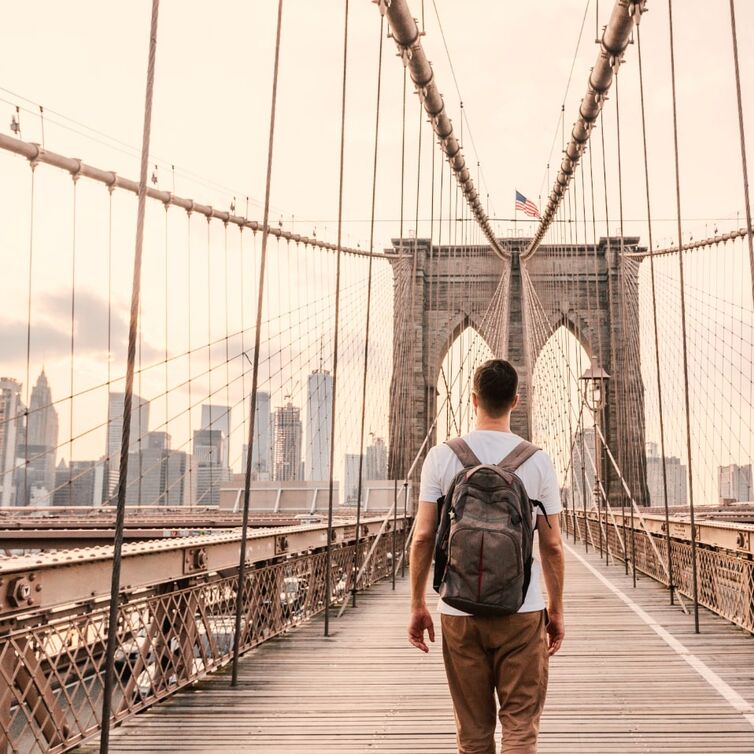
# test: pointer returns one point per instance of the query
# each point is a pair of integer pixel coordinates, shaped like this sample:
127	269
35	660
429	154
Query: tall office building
139	428
261	452
11	420
180	478
78	484
217	417
734	482
42	436
318	425
158	475
209	466
351	486
376	460
286	443
677	481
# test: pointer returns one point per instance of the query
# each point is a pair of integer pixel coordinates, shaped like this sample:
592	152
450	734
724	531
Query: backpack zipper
481	566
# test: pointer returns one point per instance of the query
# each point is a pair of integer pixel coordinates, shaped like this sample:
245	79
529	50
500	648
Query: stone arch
579	328
461	323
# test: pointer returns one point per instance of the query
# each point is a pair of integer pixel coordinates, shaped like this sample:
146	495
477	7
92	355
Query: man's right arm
422	548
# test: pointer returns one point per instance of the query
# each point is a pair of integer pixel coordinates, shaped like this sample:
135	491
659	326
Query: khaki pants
506	654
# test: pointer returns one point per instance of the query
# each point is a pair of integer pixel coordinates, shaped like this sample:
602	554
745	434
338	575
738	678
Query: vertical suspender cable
694	572
369	312
255	362
112	623
623	344
654	319
73	339
339	254
27	495
744	166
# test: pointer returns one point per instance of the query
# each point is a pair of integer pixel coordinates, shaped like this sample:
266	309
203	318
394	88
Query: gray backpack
483	550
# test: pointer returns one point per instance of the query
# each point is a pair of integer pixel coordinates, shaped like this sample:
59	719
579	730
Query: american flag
526	205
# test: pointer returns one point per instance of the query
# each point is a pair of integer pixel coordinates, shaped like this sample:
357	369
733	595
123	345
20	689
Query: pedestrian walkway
632	677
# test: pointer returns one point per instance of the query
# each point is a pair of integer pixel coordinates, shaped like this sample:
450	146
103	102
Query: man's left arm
422	548
553	569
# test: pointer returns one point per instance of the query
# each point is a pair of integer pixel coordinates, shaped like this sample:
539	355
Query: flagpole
515	216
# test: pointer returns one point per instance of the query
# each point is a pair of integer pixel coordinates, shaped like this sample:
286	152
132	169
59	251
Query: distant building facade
209	465
11	410
79	484
734	482
218	417
42	439
286	443
375	466
676	474
318	425
138	429
351	485
261	452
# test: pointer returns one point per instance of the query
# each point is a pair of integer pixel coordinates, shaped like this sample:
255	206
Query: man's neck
498	424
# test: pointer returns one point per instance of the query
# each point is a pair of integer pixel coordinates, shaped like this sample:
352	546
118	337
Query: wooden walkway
629	679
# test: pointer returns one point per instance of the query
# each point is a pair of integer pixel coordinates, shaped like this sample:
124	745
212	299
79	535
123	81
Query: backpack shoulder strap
522	452
464	453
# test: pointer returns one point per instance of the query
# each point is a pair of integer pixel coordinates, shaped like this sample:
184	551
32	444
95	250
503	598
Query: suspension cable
328	555
255	363
694	573
368	315
654	320
742	133
112	622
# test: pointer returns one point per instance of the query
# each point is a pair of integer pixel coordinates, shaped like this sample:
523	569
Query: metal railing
725	555
172	630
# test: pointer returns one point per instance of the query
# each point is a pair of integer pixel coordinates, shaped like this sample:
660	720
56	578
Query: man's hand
419	621
555	632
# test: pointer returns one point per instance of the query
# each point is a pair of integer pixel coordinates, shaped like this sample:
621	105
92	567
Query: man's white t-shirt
490	446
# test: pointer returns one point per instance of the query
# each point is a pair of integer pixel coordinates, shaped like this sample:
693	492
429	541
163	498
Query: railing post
395	519
403	530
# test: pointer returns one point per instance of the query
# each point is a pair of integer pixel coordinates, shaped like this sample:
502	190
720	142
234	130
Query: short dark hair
496	385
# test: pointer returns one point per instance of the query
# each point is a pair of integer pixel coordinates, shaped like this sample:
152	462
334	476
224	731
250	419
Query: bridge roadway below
632	677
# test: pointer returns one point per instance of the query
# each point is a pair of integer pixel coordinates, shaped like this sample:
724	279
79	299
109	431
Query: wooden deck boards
616	687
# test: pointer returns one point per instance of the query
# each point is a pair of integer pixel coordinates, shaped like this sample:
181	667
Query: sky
85	62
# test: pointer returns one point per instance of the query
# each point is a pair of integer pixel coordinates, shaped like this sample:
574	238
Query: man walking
500	642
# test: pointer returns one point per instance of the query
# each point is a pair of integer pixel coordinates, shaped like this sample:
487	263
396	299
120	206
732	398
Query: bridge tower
452	289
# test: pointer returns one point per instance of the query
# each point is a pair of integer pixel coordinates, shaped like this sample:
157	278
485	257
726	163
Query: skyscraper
78	484
286	443
318	425
351	487
376	460
139	428
10	423
209	452
218	417
734	482
42	436
676	474
261	451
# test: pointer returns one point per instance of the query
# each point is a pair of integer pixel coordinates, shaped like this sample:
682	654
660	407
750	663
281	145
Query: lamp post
594	382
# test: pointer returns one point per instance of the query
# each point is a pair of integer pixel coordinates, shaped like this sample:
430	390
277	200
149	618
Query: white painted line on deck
713	679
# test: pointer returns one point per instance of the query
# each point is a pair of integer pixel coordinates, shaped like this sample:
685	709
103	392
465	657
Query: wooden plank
616	687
